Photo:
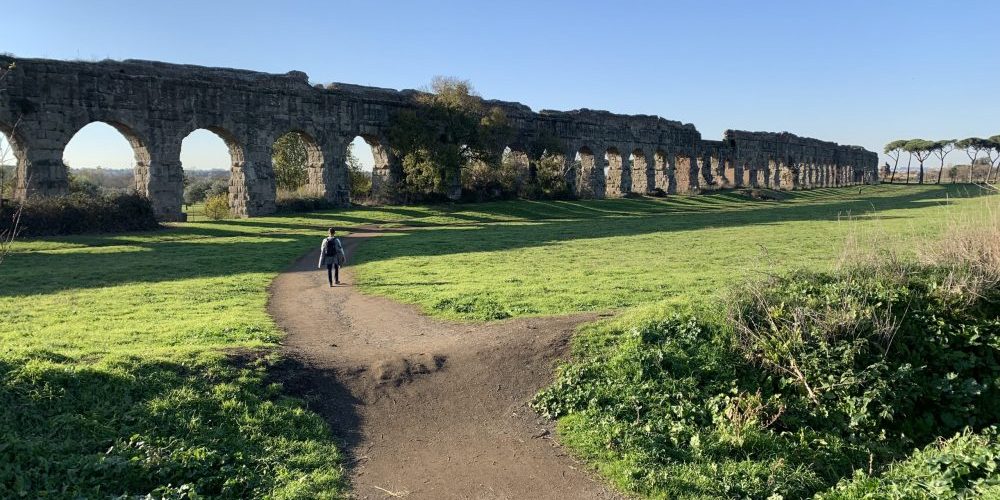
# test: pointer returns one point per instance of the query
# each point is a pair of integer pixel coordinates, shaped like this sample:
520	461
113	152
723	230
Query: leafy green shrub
668	408
881	358
423	180
79	213
965	466
218	187
548	181
200	189
484	181
83	186
361	184
217	207
808	378
302	203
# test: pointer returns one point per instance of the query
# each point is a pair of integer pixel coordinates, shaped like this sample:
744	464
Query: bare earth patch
427	409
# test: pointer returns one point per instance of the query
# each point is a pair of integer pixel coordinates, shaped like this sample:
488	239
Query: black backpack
331	247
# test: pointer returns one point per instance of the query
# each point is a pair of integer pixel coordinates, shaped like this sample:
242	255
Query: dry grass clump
967	251
970	251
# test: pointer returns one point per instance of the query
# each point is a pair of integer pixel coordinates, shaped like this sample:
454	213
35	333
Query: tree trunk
908	162
941	171
894	165
920	173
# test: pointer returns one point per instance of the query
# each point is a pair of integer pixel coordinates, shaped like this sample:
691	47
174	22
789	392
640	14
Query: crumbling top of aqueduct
43	103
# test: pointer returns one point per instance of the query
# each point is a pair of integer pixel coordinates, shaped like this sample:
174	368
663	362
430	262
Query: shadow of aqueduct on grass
256	245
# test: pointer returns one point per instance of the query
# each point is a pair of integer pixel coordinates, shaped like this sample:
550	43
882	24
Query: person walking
331	255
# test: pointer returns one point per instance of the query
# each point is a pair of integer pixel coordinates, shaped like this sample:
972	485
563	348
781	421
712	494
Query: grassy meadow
137	364
562	257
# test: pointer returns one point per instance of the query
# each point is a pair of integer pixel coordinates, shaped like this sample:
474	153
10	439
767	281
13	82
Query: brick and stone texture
155	105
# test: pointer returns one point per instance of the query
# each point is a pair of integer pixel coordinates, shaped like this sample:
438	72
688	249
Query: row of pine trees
983	153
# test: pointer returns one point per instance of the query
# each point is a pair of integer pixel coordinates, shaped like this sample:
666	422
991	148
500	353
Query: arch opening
212	168
11	164
584	167
298	166
616	178
714	172
641	181
683	178
106	158
364	156
787	172
661	173
729	176
749	177
773	173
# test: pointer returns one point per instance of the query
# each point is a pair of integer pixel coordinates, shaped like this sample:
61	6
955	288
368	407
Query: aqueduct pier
43	103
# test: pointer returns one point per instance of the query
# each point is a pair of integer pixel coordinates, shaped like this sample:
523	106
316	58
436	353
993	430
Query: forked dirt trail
429	409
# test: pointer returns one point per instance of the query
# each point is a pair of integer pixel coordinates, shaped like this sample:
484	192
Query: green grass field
562	257
125	365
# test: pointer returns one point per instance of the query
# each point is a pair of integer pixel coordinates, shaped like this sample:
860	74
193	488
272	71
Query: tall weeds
969	251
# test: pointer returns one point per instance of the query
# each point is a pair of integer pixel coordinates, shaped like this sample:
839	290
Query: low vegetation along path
428	409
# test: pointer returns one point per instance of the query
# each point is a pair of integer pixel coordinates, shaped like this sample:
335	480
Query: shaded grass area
116	351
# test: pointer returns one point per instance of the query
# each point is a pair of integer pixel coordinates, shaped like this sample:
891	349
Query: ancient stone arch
160	103
685	173
252	187
589	178
643	179
617	177
662	171
316	165
141	155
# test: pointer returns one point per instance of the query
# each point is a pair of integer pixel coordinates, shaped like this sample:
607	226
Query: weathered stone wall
43	103
787	161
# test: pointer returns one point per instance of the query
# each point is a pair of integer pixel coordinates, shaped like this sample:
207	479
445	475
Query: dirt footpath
428	409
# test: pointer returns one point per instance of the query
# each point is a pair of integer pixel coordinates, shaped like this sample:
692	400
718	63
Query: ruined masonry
43	103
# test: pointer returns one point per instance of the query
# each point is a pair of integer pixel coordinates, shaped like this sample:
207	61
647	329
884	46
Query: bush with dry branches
889	344
970	253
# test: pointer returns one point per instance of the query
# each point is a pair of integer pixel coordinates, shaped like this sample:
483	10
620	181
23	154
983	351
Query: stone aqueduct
43	103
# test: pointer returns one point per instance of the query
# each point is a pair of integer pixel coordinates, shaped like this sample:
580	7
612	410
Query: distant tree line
983	154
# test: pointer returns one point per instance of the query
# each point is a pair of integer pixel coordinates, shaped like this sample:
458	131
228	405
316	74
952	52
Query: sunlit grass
562	257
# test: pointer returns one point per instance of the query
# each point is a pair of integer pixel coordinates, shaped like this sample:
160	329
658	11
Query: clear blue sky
855	72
